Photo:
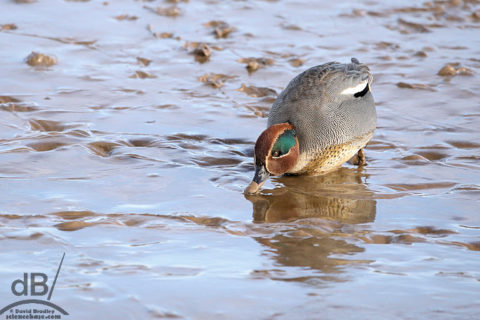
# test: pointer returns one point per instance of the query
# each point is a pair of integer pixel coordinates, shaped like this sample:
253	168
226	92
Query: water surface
130	156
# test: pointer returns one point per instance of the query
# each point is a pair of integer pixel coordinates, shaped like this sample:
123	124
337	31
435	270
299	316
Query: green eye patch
284	143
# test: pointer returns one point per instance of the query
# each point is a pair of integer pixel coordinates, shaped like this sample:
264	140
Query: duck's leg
359	158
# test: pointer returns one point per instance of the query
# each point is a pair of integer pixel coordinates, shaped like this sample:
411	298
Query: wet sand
128	143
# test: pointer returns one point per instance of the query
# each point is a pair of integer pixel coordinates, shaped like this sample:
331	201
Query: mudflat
126	140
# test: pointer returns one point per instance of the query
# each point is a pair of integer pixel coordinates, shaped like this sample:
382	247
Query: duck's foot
358	159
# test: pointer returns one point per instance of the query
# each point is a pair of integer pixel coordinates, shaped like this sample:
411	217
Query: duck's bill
261	175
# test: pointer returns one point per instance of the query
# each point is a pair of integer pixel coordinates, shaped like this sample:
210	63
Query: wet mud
126	140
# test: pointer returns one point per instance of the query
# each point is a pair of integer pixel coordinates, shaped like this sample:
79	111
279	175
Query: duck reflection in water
340	196
319	211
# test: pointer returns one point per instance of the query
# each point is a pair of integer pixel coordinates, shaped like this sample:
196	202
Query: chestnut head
276	153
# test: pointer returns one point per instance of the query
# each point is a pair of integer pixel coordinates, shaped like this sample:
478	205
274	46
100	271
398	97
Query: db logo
34	284
38	287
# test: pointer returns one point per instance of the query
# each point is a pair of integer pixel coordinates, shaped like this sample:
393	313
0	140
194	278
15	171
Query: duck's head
276	152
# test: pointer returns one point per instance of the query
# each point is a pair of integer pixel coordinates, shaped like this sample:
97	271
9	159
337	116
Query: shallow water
121	157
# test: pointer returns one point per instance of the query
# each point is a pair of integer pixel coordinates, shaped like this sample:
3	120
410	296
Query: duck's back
331	107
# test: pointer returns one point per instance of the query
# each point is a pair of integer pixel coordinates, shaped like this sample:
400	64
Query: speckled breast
328	159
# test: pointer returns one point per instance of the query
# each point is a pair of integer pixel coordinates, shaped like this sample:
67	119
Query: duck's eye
357	91
284	143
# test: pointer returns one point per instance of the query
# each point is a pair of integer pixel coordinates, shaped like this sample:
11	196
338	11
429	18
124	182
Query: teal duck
324	117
